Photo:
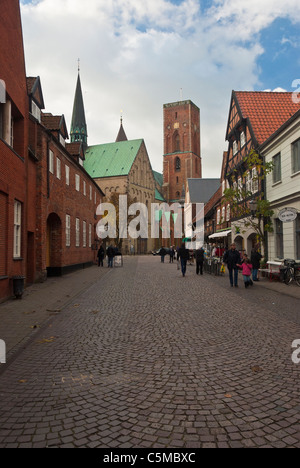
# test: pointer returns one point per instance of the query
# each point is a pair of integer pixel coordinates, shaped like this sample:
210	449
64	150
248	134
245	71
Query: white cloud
136	55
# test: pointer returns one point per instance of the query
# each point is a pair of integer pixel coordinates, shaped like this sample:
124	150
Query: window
17	229
249	182
90	235
228	213
177	164
223	187
91	192
68	230
218	216
67	175
296	156
240	188
84	187
77	232
58	168
81	162
84	234
243	139
51	162
279	238
223	214
277	168
11	142
77	182
254	180
298	237
62	140
235	148
35	111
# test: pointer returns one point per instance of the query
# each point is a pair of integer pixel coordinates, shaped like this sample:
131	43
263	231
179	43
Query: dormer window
243	139
35	111
62	140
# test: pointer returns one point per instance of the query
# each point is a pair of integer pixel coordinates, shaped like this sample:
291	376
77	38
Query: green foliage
239	196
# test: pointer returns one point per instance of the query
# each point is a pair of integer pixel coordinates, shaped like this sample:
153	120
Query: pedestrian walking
100	256
110	255
232	258
163	253
172	254
183	255
255	262
199	261
246	270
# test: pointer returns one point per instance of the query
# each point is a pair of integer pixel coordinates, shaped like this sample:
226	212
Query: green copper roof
158	196
158	177
111	159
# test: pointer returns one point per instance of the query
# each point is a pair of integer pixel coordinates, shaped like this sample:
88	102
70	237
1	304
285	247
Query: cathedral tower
78	125
182	154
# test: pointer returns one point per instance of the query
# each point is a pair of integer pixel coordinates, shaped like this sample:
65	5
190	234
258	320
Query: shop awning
218	235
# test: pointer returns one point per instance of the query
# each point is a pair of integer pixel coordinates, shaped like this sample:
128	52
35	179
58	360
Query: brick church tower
182	154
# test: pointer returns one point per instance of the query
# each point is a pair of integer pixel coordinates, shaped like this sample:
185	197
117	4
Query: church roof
201	190
111	159
78	123
121	135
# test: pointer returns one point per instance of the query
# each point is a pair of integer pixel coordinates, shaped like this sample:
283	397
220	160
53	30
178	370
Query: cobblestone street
143	357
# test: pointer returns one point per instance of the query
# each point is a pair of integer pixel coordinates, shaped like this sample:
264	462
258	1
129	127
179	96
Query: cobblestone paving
146	358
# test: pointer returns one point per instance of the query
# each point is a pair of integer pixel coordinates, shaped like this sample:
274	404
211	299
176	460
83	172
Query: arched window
177	164
176	142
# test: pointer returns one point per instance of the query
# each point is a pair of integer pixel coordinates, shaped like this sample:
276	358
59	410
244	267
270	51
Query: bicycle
291	272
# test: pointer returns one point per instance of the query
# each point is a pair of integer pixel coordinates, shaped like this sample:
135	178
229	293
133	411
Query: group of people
111	252
249	266
183	255
232	258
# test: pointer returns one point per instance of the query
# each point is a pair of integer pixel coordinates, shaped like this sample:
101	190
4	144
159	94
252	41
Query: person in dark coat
100	256
183	255
199	261
172	254
110	254
232	258
255	261
162	253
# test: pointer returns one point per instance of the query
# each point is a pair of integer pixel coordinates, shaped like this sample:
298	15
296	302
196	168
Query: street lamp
253	208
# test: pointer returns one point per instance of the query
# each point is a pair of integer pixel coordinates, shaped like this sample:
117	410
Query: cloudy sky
137	55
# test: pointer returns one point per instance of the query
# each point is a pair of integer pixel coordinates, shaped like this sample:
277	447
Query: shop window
279	238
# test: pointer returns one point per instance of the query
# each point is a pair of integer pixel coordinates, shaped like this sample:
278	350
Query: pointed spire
78	125
121	135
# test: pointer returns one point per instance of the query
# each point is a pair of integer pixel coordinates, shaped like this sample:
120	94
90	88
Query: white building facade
283	190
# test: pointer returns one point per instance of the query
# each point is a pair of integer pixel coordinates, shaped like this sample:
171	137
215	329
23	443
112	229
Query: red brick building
14	160
47	200
182	154
66	196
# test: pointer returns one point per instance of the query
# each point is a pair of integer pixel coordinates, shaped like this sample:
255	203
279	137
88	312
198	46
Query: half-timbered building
253	118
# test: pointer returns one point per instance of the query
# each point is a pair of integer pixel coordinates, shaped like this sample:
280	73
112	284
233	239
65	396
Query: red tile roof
267	111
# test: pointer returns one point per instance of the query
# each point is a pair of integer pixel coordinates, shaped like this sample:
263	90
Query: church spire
121	135
78	125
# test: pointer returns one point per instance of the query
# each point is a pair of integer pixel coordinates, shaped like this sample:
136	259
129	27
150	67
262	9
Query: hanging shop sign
287	215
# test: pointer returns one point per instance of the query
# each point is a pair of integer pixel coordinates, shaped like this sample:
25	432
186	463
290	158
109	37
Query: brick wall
13	159
181	142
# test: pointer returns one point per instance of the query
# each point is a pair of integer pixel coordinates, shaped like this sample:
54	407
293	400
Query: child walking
246	270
